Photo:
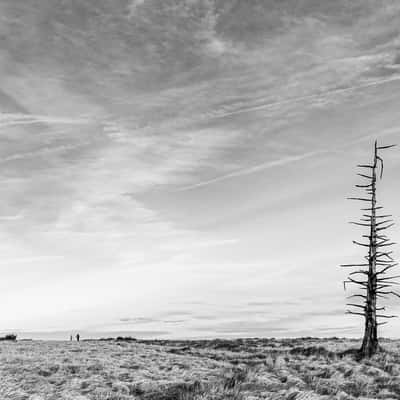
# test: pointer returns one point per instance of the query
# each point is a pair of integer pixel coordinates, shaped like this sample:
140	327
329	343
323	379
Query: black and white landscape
175	173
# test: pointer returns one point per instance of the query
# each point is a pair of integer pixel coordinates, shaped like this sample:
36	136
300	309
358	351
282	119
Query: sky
180	168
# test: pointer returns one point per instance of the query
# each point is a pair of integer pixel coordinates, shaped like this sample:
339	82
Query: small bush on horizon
10	337
125	339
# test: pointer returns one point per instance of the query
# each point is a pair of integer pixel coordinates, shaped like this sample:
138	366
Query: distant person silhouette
70	338
77	337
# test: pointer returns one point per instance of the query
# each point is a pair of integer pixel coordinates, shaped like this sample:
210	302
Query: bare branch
355	305
355	313
365	166
358	223
383	222
358	272
386	269
385	227
358	198
388	278
381	161
389	292
357	295
365	176
353	265
364	186
385	254
381	296
360	244
385	244
351	280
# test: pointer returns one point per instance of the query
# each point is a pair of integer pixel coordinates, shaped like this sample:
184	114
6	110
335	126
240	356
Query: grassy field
293	369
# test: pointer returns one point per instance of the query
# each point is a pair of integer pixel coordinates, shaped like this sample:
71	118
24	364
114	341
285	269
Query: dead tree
373	277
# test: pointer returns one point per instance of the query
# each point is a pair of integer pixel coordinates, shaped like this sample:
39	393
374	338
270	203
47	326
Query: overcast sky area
180	168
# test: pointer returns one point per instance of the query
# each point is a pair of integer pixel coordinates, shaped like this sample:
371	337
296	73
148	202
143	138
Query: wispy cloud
138	320
34	259
43	152
255	169
11	217
12	119
316	96
200	244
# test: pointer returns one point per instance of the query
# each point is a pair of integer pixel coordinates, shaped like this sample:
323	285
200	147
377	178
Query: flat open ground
156	370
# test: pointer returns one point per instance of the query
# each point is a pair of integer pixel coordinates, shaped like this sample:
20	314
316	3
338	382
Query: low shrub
312	351
125	339
10	337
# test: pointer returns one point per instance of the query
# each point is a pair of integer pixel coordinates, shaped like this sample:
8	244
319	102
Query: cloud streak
254	169
13	119
316	96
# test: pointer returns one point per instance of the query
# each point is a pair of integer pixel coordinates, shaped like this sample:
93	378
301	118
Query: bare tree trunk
370	342
373	281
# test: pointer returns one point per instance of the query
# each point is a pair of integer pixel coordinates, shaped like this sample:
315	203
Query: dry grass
251	369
